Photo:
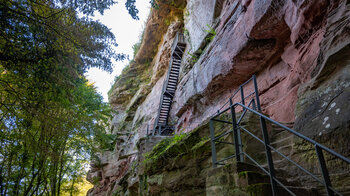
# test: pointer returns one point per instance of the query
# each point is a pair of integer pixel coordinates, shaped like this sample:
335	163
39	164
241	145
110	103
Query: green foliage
52	119
163	146
187	13
137	45
182	146
116	78
194	56
136	48
132	83
167	22
203	141
187	35
130	6
212	33
154	4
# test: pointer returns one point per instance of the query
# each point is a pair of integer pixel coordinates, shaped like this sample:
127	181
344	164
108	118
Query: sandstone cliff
299	50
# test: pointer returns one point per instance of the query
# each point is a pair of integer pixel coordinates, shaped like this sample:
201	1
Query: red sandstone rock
279	41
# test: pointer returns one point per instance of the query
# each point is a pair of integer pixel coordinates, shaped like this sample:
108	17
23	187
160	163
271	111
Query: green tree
52	119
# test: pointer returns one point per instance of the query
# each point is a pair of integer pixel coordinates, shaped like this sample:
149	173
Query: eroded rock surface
299	51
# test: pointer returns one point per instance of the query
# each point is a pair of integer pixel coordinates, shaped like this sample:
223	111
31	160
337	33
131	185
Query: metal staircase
161	124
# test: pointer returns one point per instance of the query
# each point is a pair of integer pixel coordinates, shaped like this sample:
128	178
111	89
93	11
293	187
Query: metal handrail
289	130
235	93
316	144
296	133
179	38
175	48
256	110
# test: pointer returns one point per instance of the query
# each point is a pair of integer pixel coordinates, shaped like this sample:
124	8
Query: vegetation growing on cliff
52	119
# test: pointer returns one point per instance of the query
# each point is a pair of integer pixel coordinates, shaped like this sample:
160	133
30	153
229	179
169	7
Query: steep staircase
271	147
161	124
239	178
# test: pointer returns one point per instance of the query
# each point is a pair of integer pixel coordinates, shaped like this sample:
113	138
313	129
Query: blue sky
127	32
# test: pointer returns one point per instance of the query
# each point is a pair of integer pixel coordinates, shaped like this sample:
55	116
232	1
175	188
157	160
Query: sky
127	32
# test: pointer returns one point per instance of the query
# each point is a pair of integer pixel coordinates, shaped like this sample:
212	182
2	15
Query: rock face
299	51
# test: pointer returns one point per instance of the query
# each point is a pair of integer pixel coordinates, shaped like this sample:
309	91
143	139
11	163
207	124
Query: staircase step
264	189
282	135
299	191
171	86
171	77
247	178
175	69
174	76
282	141
164	110
173	80
177	59
170	89
277	128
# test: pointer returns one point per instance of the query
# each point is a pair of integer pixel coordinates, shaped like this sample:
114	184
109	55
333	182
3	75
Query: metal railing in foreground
254	107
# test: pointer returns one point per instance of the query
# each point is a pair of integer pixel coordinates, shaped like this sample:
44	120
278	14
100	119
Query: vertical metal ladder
161	126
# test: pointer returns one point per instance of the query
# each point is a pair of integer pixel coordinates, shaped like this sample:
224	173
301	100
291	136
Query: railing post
147	130
254	104
242	95
256	93
213	148
324	170
266	140
268	155
236	134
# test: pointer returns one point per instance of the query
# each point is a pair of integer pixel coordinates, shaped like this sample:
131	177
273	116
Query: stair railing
179	38
254	107
177	50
